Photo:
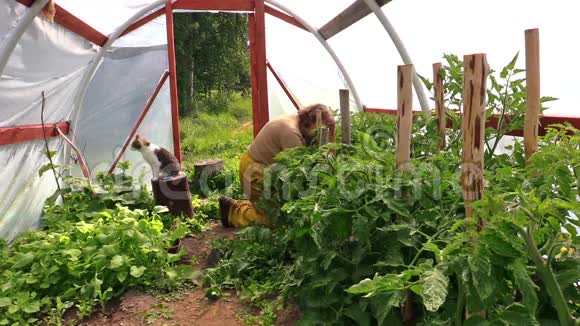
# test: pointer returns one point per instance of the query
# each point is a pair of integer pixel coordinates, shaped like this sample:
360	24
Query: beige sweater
276	136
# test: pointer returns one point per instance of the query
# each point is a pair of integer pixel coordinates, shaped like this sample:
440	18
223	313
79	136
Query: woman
294	130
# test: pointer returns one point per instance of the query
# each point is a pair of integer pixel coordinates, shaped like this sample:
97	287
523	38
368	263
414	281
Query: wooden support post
345	116
322	130
533	104
404	115
439	104
473	128
404	124
254	74
260	56
173	80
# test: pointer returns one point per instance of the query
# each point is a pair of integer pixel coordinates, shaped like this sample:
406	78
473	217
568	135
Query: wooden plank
261	69
439	104
345	115
355	12
283	16
27	3
25	133
173	80
533	104
545	121
222	5
74	24
254	74
404	115
473	129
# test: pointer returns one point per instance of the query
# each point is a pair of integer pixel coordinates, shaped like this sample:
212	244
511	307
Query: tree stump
174	194
208	167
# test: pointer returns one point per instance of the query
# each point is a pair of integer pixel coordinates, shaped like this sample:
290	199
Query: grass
224	135
218	132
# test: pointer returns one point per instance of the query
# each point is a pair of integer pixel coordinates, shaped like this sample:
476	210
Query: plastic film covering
116	97
24	191
304	65
57	71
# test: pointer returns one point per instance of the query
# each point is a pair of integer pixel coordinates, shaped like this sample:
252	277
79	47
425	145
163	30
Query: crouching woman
294	130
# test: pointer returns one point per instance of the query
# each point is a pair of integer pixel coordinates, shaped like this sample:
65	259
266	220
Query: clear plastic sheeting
48	59
23	191
304	65
27	74
52	59
104	15
116	97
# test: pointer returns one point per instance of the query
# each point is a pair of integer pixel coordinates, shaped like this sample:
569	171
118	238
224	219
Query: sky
428	28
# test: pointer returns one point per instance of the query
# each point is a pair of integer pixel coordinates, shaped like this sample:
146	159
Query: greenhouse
274	162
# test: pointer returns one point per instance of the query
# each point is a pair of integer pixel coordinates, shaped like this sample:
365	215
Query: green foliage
224	135
212	58
353	236
506	99
92	248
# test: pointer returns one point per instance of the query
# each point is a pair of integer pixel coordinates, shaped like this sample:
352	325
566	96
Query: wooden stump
208	167
174	194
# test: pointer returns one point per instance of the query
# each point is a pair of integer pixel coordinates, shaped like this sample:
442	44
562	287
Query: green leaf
31	307
45	168
50	154
23	260
137	272
434	289
117	262
355	313
122	276
5	302
526	286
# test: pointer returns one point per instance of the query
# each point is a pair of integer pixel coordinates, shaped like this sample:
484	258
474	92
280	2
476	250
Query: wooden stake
533	91
439	104
404	115
404	124
345	115
473	128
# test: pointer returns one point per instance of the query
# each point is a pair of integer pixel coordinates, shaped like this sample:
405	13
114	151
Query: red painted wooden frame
137	124
492	122
74	24
226	5
173	80
80	157
24	133
283	16
261	70
253	74
284	87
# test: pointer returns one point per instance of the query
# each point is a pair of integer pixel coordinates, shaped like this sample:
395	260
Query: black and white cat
163	163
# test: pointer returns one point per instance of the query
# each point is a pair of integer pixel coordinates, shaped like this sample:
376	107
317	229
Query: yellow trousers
244	212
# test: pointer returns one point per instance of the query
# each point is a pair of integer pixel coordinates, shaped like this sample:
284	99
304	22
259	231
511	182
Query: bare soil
136	308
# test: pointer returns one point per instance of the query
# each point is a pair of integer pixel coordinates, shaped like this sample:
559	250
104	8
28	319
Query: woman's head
307	120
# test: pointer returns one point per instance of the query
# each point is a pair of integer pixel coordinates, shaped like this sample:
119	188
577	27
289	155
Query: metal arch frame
327	46
418	85
14	35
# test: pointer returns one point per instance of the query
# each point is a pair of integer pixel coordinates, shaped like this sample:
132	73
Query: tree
212	56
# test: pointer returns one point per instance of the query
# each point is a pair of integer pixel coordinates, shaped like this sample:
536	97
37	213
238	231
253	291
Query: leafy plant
91	248
356	241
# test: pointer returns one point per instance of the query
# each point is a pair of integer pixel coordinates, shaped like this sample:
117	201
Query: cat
163	163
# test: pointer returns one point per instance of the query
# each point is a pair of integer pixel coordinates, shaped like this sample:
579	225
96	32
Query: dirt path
136	308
